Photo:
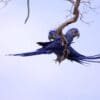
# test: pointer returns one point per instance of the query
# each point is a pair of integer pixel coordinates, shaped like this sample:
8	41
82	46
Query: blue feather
37	52
75	56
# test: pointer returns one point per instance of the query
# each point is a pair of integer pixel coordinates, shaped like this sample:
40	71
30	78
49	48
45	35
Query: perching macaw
57	48
70	34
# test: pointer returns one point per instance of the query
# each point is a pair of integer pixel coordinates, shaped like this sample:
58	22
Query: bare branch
28	11
66	23
71	20
85	8
81	18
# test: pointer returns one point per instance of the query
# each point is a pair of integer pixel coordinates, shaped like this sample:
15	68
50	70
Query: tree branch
71	20
66	23
28	11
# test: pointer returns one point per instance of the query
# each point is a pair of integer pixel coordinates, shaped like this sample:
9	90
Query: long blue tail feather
75	56
38	52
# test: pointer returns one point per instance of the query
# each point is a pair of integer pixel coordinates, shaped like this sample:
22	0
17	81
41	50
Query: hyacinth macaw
57	48
70	34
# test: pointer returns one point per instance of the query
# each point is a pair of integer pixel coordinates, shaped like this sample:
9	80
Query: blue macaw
70	35
57	48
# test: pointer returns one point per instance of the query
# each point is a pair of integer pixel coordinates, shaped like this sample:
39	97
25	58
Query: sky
39	77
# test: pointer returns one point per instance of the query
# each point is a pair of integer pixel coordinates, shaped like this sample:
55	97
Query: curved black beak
51	38
77	34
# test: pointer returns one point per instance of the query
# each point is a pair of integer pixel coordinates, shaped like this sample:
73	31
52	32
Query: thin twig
28	11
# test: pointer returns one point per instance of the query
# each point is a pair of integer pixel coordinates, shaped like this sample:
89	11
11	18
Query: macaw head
53	35
74	32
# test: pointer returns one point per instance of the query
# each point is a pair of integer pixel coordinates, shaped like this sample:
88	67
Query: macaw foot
63	57
57	60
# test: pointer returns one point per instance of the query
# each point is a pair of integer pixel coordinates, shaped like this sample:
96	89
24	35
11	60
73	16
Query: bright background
39	77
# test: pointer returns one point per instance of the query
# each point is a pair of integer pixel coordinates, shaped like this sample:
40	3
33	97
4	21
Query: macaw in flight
57	48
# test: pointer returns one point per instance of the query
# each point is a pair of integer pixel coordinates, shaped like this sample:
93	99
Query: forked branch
71	20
